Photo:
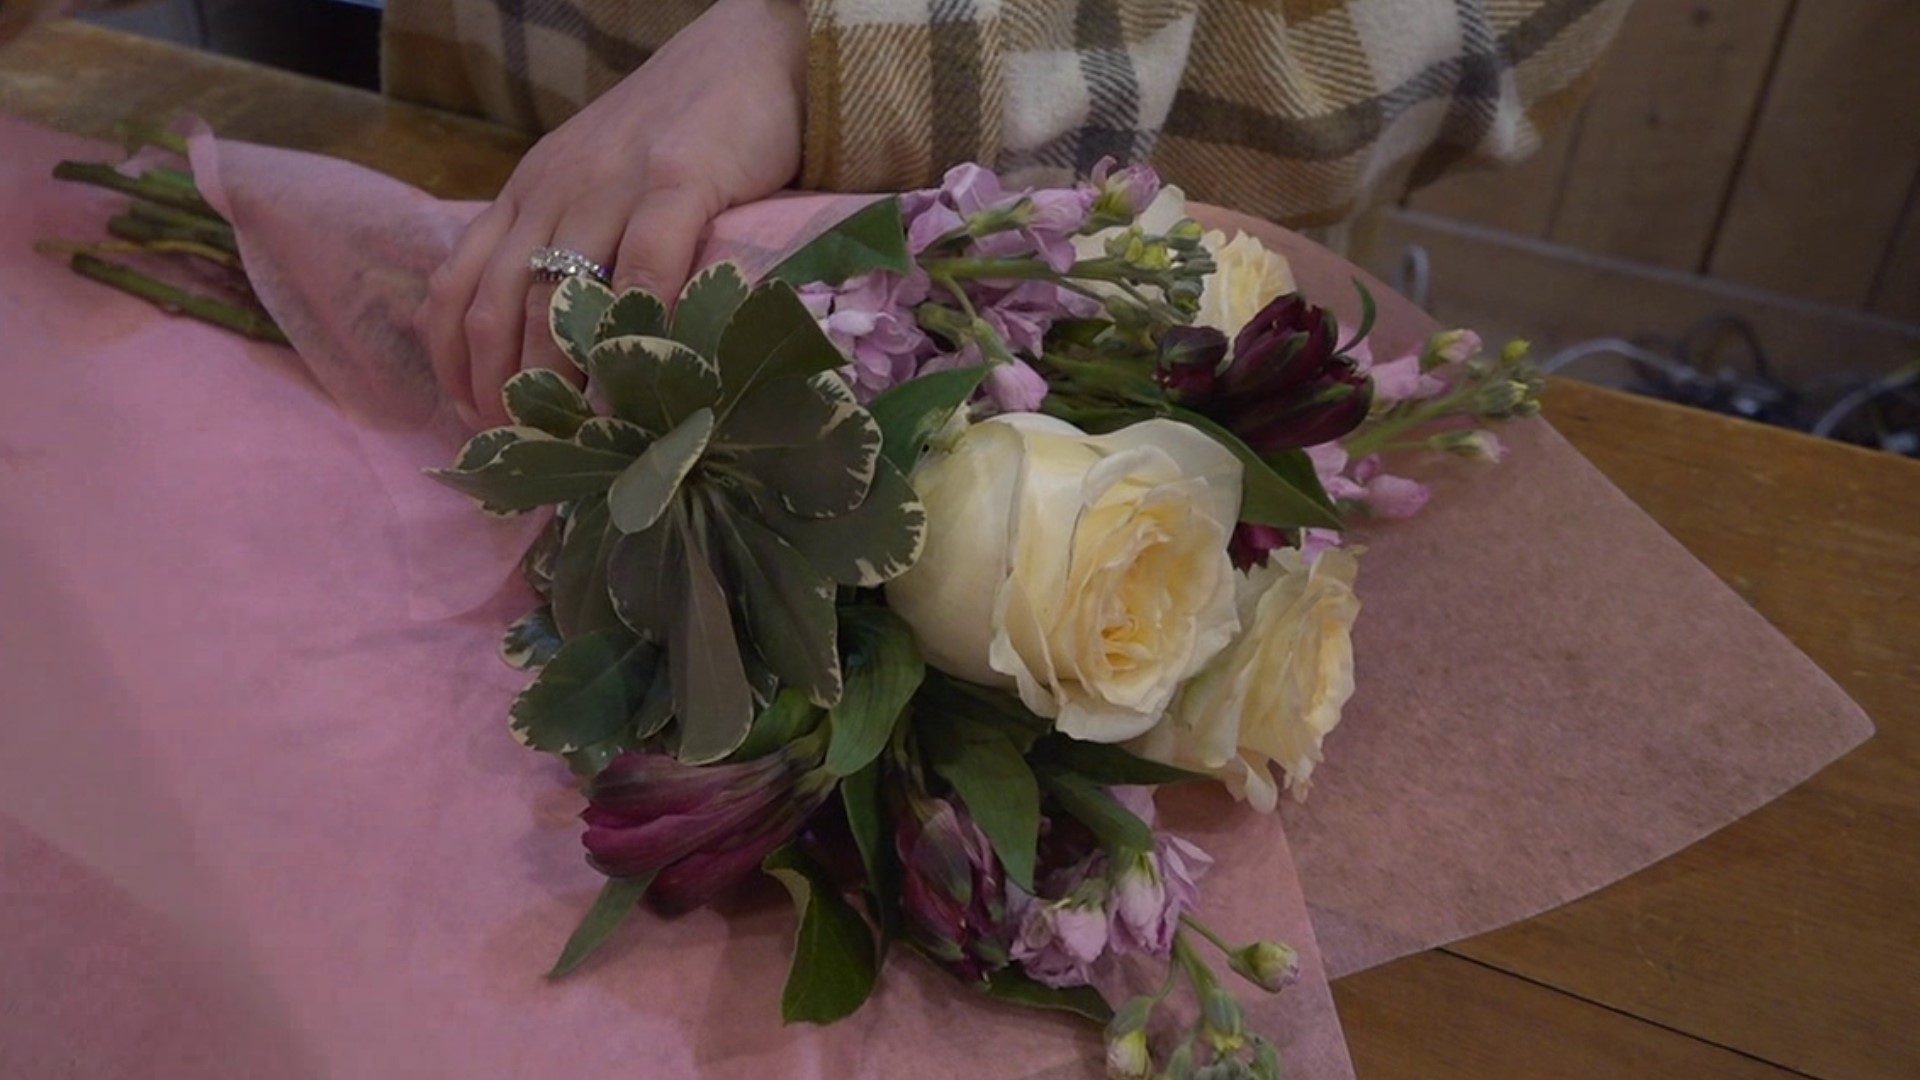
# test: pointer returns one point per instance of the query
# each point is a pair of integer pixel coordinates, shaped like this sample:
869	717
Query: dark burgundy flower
1251	544
697	829
1189	363
953	890
1287	387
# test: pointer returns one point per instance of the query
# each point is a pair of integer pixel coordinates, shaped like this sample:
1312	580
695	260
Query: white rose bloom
1276	693
1246	278
1088	573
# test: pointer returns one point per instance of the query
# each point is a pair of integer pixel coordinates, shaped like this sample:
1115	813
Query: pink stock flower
1059	941
1154	888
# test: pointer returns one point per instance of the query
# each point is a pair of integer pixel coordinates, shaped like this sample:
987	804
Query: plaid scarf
1301	111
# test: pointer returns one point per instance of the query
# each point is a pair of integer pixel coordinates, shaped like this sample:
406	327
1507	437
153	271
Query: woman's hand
711	120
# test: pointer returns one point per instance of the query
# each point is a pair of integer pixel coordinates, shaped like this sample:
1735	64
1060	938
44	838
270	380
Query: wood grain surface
1784	945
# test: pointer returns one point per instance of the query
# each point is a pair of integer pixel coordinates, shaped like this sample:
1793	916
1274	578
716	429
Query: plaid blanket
1301	111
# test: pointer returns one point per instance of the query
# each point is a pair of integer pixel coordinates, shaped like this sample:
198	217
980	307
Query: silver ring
555	264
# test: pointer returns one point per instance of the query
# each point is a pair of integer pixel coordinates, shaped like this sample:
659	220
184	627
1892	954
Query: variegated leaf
581	604
485	446
634	313
706	305
809	442
870	546
614	435
531	641
536	566
711	697
787	604
644	491
586	694
574	316
641	571
535	472
652	381
539	398
656	708
772	336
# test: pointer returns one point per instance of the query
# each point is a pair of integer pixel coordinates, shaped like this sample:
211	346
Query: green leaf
1368	311
616	901
574	316
656	707
531	641
634	313
867	547
1296	468
788	717
538	398
642	571
871	238
536	564
585	694
706	305
711	695
980	706
1267	498
911	413
534	472
867	820
808	440
787	606
484	447
772	336
1018	988
581	604
643	492
993	779
883	670
1115	825
1104	763
652	381
615	436
834	963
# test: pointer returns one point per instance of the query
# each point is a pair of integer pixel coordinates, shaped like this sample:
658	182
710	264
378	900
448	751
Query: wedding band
554	264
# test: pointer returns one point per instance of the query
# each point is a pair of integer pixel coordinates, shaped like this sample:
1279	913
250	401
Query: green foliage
531	641
987	769
1116	826
786	718
872	238
867	819
616	901
884	669
586	693
911	413
711	516
1104	763
834	960
1268	497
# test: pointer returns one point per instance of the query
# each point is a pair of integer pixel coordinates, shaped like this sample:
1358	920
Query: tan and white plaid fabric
1302	111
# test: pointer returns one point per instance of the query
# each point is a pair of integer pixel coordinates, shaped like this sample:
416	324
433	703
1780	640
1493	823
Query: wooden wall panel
1897	292
1663	133
1826	178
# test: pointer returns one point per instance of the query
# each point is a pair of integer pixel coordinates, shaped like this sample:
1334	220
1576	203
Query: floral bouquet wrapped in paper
905	574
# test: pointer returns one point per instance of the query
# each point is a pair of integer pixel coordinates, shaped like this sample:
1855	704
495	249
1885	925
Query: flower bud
1266	1060
1450	347
1226	1023
1267	964
1180	1064
697	830
1286	388
1189	363
952	887
1128	1057
1474	444
1516	351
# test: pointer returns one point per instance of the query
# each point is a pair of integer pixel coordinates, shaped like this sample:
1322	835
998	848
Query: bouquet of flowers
905	574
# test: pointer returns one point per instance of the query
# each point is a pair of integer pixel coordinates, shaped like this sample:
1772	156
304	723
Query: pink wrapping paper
256	742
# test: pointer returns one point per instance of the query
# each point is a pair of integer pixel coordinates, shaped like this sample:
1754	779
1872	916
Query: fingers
656	251
441	320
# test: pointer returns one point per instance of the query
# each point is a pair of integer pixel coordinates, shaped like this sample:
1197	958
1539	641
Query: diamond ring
554	264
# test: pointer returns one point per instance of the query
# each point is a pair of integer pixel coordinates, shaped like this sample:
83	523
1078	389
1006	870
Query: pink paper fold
227	711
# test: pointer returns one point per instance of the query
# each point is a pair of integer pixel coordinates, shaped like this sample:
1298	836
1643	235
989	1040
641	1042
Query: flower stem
1187	920
162	186
253	324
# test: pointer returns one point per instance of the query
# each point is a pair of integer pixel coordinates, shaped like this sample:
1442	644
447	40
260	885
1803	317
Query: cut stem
160	186
170	298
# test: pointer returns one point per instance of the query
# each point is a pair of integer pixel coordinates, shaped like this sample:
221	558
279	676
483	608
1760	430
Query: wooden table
1786	945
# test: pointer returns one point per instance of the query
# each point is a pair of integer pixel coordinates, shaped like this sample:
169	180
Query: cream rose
1246	278
1088	573
1276	693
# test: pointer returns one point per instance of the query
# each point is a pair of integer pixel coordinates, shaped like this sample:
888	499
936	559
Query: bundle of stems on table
167	217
